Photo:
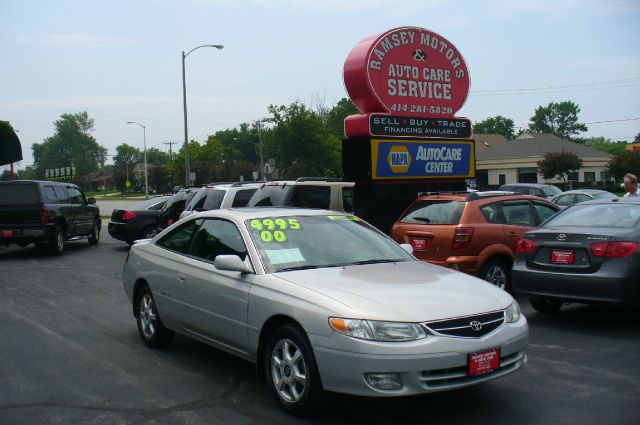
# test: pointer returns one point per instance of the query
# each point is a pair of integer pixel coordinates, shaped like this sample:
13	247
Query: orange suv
475	232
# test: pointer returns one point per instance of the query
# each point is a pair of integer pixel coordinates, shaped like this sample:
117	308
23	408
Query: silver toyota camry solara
321	302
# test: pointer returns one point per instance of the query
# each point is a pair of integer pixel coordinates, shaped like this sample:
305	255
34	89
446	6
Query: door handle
181	278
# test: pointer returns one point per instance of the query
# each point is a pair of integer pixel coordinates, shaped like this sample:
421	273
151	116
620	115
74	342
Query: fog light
384	381
455	266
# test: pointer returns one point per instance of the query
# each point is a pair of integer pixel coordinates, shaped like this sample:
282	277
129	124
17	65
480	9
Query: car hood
410	291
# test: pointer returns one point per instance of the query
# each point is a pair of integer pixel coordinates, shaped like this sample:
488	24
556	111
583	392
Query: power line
600	122
600	85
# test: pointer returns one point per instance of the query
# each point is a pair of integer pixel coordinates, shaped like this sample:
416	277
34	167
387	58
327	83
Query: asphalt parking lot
71	355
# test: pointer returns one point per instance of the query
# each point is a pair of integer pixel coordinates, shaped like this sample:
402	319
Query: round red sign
407	71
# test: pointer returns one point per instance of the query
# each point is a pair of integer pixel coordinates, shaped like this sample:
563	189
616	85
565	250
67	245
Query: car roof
476	196
246	213
527	184
569	192
617	200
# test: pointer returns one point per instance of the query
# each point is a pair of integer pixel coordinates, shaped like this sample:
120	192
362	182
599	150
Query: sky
121	61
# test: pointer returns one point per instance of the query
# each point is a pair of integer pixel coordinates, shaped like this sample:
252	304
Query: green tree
124	161
559	164
300	142
637	138
604	144
496	125
156	156
560	119
624	162
71	145
334	118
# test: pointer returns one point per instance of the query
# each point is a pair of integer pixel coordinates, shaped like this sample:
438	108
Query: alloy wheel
497	276
288	370
147	316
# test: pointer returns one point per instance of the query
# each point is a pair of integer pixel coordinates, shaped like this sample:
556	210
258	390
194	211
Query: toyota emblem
561	237
475	325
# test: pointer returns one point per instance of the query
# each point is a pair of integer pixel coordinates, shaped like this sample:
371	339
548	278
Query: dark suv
305	192
46	213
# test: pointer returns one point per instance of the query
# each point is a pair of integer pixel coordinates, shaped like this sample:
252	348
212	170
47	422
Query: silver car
322	302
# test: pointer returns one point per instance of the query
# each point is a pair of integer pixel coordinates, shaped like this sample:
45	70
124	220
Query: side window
544	211
491	213
520	189
518	214
179	239
581	198
75	196
61	194
565	200
347	199
218	237
50	195
311	197
242	197
536	192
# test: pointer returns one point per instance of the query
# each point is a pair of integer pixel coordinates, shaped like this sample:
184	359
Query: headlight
374	330
512	313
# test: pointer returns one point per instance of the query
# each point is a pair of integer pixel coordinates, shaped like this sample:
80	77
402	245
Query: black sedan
139	222
586	253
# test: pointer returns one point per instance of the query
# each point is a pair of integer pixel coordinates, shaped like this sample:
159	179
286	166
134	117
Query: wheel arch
496	252
268	327
140	283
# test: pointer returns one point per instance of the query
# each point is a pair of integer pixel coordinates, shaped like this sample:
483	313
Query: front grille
469	326
457	376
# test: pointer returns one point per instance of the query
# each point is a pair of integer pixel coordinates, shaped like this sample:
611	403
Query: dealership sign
406	72
402	159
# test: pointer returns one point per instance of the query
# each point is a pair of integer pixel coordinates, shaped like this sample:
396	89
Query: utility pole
171	158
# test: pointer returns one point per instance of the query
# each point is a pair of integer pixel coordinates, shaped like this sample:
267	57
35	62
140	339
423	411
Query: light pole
187	163
259	123
144	135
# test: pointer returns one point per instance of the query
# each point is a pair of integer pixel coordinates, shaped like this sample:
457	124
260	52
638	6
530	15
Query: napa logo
399	159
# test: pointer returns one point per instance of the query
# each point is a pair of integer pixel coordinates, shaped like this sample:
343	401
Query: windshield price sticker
272	230
343	217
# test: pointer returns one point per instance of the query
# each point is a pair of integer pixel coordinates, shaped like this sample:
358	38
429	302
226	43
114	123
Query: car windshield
597	215
305	242
550	191
434	212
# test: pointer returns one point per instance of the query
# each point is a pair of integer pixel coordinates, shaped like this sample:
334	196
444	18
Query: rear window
597	215
434	212
18	194
151	204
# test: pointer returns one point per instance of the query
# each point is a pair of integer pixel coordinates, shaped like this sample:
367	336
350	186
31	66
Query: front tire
150	327
291	372
497	273
56	242
545	305
94	237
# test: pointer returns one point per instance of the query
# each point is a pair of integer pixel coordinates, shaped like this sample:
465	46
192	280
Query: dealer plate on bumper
484	362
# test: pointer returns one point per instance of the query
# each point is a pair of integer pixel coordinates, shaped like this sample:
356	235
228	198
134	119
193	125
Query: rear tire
291	372
545	305
150	327
94	237
497	273
56	242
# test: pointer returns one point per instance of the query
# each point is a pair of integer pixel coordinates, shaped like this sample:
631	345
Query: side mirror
91	200
407	247
231	263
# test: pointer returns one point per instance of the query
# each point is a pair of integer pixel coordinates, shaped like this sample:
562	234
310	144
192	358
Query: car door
166	271
82	214
518	218
216	300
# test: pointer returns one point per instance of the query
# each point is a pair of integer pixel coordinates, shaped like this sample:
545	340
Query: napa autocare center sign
401	159
408	83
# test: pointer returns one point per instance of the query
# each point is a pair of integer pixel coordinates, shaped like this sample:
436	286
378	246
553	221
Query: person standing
631	185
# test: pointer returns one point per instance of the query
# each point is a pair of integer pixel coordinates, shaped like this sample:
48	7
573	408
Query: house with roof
516	161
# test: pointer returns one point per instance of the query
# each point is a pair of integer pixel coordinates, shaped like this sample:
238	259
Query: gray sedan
570	197
321	302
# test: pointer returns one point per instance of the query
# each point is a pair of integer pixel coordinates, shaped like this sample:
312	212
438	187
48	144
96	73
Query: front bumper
436	363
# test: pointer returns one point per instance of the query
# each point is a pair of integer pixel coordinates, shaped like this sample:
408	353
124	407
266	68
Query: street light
144	135
187	164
